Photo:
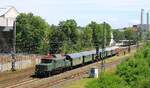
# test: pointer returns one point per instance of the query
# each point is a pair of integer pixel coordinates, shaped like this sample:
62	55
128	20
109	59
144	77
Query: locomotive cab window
46	61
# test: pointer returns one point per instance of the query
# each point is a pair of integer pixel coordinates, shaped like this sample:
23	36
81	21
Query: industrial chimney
142	11
147	22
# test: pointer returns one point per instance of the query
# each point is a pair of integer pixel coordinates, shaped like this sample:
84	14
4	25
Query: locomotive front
44	68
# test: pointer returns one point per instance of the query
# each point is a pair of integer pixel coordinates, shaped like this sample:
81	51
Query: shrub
107	81
136	70
133	73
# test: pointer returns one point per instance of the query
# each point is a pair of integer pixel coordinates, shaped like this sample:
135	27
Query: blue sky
118	13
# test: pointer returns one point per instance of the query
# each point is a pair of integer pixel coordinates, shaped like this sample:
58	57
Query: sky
118	13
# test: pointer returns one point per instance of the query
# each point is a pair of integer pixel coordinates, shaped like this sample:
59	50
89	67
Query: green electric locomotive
51	65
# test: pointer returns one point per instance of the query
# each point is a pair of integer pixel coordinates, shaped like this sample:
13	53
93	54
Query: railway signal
13	51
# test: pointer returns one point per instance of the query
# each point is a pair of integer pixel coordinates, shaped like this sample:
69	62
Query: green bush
135	72
131	73
107	81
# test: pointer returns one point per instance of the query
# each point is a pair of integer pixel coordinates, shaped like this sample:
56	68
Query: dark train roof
74	55
86	53
78	55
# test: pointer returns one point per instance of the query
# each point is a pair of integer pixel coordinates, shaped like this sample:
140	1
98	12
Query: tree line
35	35
126	34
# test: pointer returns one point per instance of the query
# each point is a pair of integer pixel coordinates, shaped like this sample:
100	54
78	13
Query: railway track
23	82
56	79
46	82
14	78
64	78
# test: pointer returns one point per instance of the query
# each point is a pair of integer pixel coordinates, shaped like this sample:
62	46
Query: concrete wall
22	62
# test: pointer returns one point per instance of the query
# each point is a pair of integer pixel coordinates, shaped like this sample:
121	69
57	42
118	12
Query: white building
112	42
8	15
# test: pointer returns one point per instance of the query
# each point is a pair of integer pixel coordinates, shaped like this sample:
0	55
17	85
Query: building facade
8	16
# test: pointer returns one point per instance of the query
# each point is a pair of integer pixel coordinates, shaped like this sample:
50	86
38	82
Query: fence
22	61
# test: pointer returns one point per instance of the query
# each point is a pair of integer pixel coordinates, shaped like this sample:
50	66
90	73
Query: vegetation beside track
131	73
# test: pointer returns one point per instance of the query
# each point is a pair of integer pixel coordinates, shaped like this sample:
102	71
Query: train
124	43
59	63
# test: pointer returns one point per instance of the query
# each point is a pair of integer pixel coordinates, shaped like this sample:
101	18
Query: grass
78	83
83	82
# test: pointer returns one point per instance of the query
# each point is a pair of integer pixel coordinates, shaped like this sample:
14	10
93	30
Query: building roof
4	10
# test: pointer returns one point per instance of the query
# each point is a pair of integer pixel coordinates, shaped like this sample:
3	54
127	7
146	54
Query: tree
118	35
108	34
69	33
55	40
97	33
86	37
69	29
31	31
129	34
148	35
34	35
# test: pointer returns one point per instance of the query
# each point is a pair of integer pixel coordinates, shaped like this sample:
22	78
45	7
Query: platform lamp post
13	51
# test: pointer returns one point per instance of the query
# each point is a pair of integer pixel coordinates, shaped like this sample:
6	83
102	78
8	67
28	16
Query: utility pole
147	21
13	51
103	49
96	42
137	36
